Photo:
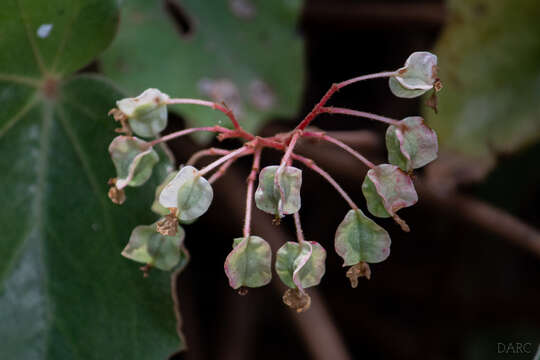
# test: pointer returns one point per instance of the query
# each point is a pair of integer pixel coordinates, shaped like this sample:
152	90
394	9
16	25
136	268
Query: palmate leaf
65	291
253	62
489	55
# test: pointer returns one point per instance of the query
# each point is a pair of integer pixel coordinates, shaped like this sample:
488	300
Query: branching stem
335	87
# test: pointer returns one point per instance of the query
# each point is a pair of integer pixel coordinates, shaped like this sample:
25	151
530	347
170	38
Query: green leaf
301	265
133	160
146	245
254	64
411	146
387	189
146	113
65	291
416	77
78	32
189	192
489	51
249	263
268	197
358	238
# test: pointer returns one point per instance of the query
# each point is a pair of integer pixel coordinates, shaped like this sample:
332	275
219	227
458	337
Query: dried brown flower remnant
437	85
297	300
242	291
402	224
359	270
117	196
117	115
169	224
122	119
145	270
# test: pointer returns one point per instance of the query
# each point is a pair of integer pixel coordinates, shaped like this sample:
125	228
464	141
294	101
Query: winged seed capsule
156	206
146	113
387	189
188	192
133	160
418	76
412	145
358	238
146	245
267	196
301	265
249	263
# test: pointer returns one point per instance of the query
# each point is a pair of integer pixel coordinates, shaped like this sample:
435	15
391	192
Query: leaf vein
9	124
37	55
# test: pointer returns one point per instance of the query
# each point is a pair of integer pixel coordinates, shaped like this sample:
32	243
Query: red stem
362	114
209	104
289	151
316	110
298	226
342	145
244	150
249	192
335	87
222	169
206	152
383	74
177	134
311	164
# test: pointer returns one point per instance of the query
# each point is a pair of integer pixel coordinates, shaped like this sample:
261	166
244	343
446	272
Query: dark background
449	290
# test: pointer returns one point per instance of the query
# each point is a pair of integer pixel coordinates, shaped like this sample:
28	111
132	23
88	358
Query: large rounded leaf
65	291
252	61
